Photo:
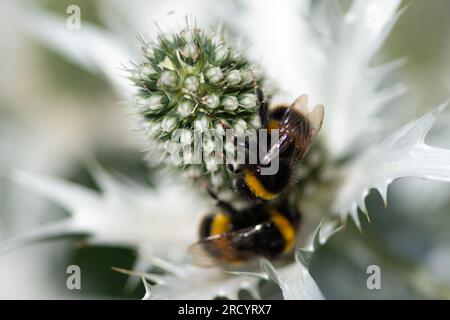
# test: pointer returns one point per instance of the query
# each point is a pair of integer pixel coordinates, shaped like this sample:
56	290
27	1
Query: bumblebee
234	237
297	128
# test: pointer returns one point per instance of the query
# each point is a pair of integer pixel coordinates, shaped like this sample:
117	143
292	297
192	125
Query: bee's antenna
211	193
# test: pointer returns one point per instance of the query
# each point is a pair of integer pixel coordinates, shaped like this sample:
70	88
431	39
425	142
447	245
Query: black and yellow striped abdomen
267	232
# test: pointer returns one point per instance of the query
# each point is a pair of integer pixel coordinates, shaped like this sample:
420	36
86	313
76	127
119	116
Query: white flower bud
211	101
255	121
155	102
214	74
230	103
234	77
168	78
185	108
247	100
221	54
186	137
188	35
236	55
201	124
148	51
146	71
141	104
239	126
220	130
155	129
191	84
209	146
168	124
190	50
246	76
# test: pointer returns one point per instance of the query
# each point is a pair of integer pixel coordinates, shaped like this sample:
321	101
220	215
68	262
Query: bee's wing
230	246
200	255
304	131
299	125
314	117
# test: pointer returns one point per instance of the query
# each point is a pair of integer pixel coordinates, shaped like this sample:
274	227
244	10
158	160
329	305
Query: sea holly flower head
195	80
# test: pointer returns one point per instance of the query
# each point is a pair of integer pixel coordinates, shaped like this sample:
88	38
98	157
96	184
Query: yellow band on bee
257	188
220	224
273	124
285	227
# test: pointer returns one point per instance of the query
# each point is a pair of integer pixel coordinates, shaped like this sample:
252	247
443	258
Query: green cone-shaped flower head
194	81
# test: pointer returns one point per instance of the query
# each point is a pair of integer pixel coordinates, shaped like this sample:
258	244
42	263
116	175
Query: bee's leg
232	169
222	204
262	103
224	125
262	107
